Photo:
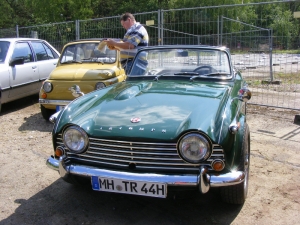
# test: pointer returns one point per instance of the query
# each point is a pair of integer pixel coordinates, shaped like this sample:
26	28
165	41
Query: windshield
87	53
182	62
4	45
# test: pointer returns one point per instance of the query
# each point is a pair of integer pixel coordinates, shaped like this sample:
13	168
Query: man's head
127	20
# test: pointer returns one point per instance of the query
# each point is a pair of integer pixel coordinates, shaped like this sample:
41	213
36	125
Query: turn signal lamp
59	152
44	95
218	165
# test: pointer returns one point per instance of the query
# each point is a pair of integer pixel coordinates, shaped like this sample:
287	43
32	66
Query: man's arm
118	45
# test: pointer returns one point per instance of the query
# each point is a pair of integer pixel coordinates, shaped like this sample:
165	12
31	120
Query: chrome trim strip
53	102
135	152
132	142
203	180
131	160
133	147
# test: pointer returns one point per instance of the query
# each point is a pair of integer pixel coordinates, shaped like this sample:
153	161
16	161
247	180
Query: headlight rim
205	138
84	135
51	86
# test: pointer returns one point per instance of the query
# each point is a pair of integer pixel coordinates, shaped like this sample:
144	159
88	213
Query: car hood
86	71
149	110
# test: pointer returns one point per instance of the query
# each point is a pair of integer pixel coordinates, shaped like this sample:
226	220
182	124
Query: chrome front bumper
203	180
54	102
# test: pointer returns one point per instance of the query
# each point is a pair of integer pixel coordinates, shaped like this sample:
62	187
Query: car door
46	59
23	77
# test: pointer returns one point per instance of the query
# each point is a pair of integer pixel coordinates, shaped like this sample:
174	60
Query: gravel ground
31	193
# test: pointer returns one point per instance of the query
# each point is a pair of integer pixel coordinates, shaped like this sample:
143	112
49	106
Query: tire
46	113
237	194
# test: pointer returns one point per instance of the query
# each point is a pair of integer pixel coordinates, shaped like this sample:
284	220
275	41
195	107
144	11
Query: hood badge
135	120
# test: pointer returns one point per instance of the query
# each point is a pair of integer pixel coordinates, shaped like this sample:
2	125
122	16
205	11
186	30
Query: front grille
141	156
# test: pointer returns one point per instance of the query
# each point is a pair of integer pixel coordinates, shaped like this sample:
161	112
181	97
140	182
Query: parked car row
29	66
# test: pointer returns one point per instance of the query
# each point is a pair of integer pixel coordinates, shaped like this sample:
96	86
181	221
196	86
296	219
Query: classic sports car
177	122
82	65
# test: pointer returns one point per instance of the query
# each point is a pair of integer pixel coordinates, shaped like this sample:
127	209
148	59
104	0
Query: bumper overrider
203	180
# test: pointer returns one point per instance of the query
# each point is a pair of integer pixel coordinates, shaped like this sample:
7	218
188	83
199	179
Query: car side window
23	51
50	54
43	52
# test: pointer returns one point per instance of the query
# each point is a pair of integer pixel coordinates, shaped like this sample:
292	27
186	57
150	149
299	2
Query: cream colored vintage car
82	67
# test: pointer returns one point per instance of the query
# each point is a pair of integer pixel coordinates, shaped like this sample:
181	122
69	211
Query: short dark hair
127	15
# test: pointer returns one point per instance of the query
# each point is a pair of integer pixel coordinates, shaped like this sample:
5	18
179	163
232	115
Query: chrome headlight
75	139
194	148
99	85
47	86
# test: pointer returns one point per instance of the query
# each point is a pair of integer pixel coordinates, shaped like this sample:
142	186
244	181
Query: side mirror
244	94
16	61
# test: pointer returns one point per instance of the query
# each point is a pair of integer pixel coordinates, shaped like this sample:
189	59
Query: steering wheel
204	68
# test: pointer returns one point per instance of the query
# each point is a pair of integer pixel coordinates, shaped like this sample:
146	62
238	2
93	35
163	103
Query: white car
24	64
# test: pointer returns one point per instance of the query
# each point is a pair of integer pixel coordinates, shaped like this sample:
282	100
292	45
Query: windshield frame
181	61
87	52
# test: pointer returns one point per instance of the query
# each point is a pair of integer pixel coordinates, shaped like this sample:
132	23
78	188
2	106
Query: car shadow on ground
63	203
19	104
36	122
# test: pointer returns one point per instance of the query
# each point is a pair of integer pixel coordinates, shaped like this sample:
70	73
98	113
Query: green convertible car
178	121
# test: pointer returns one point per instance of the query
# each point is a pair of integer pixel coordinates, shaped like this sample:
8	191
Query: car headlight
194	148
47	86
75	139
99	85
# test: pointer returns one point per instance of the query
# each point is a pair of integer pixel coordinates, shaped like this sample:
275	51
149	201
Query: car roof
20	39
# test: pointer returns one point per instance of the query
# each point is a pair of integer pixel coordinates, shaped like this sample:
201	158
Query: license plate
59	107
151	189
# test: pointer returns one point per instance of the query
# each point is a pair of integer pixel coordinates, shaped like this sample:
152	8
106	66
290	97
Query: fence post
77	28
17	30
162	27
158	23
271	54
218	31
221	42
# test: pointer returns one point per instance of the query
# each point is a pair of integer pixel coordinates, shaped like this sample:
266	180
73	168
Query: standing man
135	37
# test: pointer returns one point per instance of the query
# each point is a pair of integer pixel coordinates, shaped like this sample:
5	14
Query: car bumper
203	180
54	102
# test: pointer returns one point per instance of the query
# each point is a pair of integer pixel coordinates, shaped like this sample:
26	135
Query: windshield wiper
209	75
186	73
72	61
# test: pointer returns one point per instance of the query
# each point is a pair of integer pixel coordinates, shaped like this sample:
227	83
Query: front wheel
46	113
237	194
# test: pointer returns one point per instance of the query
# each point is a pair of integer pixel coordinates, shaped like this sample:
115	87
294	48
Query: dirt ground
31	193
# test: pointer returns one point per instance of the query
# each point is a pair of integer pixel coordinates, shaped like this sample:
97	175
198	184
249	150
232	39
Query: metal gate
272	74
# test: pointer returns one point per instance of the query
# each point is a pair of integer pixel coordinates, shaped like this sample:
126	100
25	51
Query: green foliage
199	20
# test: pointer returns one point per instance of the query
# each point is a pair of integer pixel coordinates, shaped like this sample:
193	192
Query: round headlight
47	86
75	139
99	85
194	148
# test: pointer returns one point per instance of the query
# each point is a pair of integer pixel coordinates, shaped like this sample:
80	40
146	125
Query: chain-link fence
265	49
